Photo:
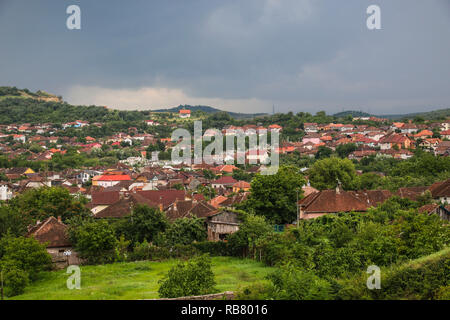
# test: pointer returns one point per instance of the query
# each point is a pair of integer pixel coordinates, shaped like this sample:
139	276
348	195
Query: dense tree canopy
41	203
326	173
274	196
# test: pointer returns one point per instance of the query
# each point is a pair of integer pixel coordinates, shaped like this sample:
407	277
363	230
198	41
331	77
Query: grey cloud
297	54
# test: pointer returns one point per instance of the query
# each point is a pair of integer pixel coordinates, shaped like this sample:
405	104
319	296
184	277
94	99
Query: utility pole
1	280
298	218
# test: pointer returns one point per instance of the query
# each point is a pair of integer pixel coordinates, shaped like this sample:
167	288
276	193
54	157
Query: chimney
175	205
59	219
160	207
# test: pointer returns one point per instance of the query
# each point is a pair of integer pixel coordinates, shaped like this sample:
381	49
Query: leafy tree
274	196
326	173
94	240
25	254
13	222
41	203
241	175
194	277
323	152
144	223
208	174
252	229
183	231
207	192
343	150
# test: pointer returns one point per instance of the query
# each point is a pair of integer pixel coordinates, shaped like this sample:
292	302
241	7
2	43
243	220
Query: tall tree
326	173
274	196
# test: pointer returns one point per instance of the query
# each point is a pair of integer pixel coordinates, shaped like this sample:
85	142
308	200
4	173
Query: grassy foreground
137	280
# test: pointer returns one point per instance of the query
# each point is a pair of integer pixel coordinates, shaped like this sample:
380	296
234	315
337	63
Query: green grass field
137	280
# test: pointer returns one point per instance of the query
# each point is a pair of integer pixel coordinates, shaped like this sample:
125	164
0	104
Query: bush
25	254
252	229
443	293
144	223
95	241
183	231
194	277
213	248
15	279
148	251
291	283
424	278
256	291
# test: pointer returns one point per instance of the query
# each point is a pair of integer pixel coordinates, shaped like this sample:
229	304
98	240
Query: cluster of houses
319	203
175	188
395	140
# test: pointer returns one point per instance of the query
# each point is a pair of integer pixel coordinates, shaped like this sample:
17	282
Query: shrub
256	291
95	241
292	283
194	277
213	248
148	251
144	223
250	231
183	231
25	254
424	278
15	279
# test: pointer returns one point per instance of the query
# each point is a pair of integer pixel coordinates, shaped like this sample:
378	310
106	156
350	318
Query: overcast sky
236	55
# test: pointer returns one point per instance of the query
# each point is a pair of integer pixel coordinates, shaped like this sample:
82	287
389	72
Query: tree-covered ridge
209	110
7	92
19	110
429	115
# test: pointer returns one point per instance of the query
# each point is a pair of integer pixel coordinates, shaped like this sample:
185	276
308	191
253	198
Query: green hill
421	279
13	92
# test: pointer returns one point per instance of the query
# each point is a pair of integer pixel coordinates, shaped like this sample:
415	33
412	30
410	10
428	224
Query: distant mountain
353	114
208	109
428	115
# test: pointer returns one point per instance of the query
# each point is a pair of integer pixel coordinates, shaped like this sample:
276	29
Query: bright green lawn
137	280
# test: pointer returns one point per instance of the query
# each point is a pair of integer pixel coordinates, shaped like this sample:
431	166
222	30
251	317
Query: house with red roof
393	139
275	127
109	180
445	134
184	113
227	168
241	186
424	134
20	137
334	201
223	182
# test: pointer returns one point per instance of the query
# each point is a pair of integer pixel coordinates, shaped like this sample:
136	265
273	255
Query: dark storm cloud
297	54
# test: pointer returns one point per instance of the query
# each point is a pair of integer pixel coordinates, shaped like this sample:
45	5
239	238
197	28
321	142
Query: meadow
137	280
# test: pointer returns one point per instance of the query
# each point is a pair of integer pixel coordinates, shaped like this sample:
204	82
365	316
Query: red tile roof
52	232
330	201
166	197
105	198
123	177
225	180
